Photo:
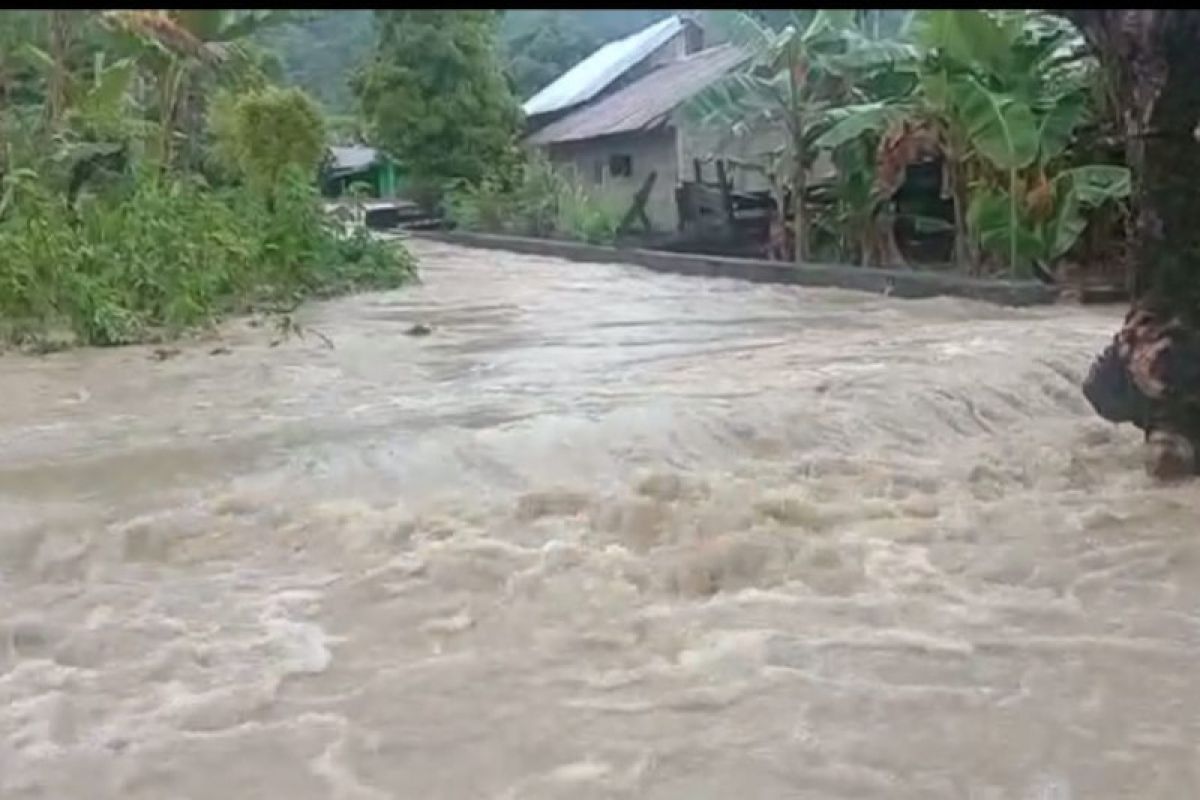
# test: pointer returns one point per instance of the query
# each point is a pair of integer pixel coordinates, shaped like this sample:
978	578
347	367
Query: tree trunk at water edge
1150	374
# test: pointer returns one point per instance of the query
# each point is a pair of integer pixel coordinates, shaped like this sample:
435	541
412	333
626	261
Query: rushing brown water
603	534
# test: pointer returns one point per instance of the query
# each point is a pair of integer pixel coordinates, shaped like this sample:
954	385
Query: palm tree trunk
1155	56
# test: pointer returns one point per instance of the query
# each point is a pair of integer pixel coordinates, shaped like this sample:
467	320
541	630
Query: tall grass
172	255
588	217
541	202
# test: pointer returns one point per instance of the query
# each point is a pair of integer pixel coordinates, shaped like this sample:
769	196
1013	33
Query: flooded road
602	534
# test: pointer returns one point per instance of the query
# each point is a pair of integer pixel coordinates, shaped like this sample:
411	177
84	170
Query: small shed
346	166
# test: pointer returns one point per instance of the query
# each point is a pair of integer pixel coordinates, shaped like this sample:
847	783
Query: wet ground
602	533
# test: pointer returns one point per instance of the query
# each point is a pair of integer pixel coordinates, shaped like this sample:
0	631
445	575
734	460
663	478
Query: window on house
620	166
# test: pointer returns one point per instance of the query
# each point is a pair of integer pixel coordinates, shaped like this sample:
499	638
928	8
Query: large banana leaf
1075	191
102	105
863	54
739	29
1098	183
739	96
157	28
1001	128
245	23
850	122
226	25
966	36
110	84
193	33
1057	125
996	219
829	25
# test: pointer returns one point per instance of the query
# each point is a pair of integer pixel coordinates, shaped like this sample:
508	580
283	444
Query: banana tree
46	49
21	90
1004	94
182	47
1044	224
791	79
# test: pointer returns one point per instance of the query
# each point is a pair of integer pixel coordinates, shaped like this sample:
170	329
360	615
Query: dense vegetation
318	51
1147	375
1002	98
536	200
1009	103
124	131
434	94
152	179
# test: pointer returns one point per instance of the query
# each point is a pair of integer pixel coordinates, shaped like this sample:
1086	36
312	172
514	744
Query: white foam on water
604	533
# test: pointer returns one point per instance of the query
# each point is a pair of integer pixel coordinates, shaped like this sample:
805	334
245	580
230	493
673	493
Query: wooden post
699	171
726	194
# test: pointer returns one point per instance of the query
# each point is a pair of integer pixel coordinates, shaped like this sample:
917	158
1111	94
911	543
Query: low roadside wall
896	283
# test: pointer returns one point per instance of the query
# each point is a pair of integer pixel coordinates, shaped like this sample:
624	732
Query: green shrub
587	217
174	255
268	131
434	92
486	206
537	197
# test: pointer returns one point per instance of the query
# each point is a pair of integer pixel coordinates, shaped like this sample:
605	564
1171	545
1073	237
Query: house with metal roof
345	166
614	119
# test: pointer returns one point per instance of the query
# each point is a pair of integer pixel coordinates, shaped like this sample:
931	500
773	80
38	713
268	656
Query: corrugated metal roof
646	102
589	77
352	158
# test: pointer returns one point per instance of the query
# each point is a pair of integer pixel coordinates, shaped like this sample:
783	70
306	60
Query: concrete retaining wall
897	283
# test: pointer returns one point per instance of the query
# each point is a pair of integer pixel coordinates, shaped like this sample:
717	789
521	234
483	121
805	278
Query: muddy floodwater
602	533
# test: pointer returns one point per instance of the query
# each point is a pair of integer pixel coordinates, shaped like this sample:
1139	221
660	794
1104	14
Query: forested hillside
321	50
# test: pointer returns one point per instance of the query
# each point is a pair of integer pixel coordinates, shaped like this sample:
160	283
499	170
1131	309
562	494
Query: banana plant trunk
799	177
1150	374
171	83
190	112
799	222
56	91
955	185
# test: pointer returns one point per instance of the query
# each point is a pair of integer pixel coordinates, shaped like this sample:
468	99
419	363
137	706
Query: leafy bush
434	92
588	218
266	132
538	195
174	255
486	206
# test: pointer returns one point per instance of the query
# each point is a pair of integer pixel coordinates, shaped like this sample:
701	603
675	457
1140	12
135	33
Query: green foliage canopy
272	130
435	96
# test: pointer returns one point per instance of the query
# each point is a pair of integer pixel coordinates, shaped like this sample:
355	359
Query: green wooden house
347	166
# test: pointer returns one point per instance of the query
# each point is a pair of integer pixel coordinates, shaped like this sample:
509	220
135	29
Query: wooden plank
726	190
637	211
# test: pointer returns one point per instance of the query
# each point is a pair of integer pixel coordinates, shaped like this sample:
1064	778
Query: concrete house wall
670	151
590	162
